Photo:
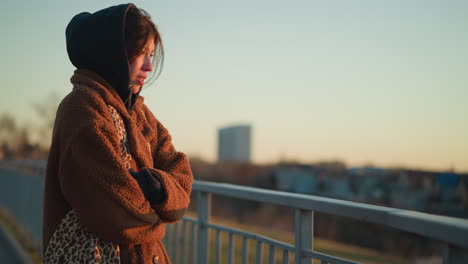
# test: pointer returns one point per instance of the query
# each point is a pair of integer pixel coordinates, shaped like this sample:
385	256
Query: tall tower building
234	143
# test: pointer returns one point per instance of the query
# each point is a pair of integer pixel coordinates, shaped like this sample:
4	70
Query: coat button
155	259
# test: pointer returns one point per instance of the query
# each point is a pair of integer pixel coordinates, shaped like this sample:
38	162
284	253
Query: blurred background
356	100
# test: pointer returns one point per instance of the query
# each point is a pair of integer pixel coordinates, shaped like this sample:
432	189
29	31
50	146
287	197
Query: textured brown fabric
85	171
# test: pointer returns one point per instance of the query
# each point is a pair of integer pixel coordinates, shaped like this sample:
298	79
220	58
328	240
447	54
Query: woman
113	176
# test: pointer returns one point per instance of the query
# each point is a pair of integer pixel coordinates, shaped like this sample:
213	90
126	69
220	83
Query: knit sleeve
98	186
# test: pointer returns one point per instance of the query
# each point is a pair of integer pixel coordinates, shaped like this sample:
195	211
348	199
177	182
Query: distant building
234	143
339	189
298	180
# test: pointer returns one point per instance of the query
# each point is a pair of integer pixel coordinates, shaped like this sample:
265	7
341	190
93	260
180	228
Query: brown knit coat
85	171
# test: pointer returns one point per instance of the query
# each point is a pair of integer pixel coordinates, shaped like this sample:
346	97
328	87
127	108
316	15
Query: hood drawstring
128	101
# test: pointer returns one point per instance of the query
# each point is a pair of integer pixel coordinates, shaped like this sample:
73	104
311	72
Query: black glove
150	185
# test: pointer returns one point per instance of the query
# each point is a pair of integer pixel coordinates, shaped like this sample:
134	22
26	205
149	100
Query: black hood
96	42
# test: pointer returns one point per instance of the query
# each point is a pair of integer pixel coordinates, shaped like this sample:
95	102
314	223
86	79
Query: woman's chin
136	88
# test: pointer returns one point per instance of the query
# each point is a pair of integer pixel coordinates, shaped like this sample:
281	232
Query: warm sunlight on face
140	67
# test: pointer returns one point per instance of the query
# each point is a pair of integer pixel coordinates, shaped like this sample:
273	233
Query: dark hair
139	28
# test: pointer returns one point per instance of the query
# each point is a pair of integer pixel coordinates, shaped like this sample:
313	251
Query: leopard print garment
72	242
119	125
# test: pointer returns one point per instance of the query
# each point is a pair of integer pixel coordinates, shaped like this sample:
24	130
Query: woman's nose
148	64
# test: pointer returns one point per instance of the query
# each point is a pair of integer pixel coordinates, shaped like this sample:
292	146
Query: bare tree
7	129
14	138
46	111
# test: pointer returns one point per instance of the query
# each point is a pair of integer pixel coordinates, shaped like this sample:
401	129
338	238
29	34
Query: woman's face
140	67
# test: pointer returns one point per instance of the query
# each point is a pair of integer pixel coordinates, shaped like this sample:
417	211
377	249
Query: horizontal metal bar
448	229
190	220
25	163
327	258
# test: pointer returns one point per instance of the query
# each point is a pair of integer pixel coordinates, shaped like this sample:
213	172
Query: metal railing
189	242
21	195
453	232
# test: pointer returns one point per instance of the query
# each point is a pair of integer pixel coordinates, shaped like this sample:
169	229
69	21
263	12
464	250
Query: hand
150	185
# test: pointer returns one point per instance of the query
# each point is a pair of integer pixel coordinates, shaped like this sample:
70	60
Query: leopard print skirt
73	243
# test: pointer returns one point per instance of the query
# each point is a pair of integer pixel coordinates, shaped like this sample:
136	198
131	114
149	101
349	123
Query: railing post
204	212
303	234
455	255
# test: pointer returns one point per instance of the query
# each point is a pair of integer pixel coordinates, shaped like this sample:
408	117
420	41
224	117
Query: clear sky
381	82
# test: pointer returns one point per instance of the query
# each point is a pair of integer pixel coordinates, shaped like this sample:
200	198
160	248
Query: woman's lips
139	81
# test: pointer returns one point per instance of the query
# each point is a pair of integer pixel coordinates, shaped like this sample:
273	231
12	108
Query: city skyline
363	82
